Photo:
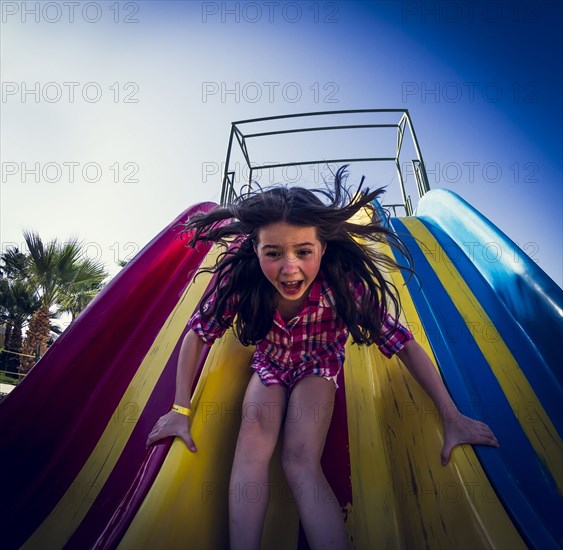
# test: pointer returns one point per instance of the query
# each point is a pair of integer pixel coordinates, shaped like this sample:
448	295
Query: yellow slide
401	495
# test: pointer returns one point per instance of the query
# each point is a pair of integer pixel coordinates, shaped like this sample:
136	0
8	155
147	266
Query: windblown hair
350	255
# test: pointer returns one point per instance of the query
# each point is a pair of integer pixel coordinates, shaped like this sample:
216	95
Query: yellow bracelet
182	410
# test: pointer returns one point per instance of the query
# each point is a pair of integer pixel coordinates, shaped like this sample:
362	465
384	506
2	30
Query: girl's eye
304	253
273	255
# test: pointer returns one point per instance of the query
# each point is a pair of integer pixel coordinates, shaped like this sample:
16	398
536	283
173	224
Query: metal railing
403	127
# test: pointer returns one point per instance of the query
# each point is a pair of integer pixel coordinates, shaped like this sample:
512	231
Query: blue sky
157	84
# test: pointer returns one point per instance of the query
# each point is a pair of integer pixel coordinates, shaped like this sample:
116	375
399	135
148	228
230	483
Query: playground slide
73	432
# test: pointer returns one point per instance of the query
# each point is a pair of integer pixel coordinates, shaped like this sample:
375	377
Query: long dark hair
349	256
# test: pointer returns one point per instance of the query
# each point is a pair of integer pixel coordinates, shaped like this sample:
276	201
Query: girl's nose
289	265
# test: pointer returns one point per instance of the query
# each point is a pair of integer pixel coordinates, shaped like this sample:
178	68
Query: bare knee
258	435
256	442
262	414
300	462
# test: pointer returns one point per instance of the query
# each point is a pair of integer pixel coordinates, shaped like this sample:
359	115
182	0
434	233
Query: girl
298	283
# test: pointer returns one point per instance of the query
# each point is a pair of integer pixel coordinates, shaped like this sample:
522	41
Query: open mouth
292	286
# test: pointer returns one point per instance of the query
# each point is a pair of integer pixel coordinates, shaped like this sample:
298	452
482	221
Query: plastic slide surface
76	473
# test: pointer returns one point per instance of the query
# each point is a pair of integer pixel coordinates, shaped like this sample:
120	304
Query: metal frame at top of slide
296	123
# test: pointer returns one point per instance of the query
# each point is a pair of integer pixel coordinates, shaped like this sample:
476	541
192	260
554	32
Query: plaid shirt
313	341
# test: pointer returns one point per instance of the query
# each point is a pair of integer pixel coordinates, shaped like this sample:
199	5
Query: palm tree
14	264
75	298
17	304
58	272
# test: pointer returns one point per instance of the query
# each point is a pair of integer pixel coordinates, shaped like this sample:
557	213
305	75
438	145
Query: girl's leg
263	411
308	418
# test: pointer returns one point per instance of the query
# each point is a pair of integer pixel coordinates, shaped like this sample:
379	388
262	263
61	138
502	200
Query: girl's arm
458	429
173	423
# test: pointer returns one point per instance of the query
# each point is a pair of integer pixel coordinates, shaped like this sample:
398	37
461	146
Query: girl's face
290	257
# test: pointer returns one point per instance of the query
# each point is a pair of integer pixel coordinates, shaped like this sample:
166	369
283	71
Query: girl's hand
172	424
462	429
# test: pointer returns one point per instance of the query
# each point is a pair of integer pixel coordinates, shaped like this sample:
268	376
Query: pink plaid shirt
310	343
